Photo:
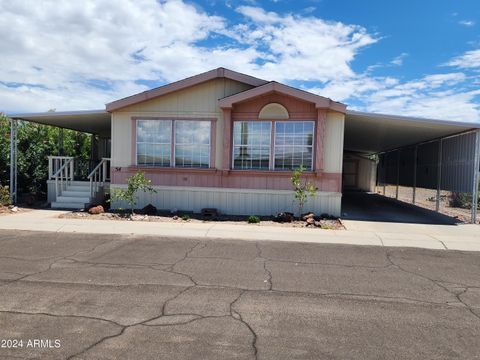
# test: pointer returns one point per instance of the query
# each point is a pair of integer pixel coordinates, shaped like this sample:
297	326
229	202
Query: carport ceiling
90	121
373	133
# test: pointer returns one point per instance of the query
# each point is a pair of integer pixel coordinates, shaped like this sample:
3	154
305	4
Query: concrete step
70	205
80	183
73	199
78	188
76	193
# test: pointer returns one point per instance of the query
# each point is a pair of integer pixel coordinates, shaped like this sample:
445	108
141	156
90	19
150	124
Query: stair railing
98	176
63	175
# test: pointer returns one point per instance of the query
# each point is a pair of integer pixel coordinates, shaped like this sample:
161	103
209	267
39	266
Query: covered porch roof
97	122
371	133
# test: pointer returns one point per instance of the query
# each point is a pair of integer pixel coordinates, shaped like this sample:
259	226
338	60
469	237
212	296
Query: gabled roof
273	86
182	84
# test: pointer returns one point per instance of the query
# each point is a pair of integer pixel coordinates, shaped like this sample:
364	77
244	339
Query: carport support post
384	174
13	161
439	174
398	173
476	177
415	155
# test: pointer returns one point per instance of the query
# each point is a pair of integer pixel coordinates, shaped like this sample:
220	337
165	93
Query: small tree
302	189
136	182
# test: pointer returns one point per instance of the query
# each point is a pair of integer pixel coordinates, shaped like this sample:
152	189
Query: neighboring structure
227	140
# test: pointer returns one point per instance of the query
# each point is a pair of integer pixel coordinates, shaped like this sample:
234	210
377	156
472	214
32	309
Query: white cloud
67	47
467	23
60	51
398	60
79	55
305	48
470	59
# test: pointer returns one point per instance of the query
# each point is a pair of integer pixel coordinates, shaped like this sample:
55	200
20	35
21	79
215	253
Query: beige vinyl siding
234	201
333	148
197	101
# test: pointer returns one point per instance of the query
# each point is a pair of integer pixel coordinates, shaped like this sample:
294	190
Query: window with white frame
292	145
192	143
251	144
154	142
189	139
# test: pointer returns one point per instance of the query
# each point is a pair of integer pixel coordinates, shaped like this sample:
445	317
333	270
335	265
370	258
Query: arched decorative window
274	111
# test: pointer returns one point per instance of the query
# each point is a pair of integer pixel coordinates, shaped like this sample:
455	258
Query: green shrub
185	217
136	182
5	196
252	219
302	189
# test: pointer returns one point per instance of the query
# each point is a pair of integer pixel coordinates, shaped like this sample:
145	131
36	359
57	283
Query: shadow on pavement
374	207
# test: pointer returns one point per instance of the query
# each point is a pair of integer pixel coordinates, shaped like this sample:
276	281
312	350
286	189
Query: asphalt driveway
130	297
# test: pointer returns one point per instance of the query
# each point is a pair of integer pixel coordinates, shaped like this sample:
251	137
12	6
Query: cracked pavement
146	297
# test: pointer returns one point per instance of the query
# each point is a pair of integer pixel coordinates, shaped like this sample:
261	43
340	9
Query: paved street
146	297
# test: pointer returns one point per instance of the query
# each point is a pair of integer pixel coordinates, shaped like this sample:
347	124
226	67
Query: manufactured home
230	141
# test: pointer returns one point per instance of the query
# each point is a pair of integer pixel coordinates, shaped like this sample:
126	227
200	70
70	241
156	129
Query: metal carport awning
372	133
429	153
97	122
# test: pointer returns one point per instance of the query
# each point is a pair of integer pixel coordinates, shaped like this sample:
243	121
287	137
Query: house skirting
232	201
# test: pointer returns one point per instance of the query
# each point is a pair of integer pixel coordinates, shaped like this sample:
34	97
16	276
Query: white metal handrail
63	175
98	176
55	163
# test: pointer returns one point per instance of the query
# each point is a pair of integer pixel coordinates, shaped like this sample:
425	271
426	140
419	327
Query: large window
190	139
192	143
251	144
291	148
154	142
293	144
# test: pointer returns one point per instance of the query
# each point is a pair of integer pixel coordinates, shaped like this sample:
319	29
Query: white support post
13	160
398	173
104	171
384	174
72	169
476	177
439	174
415	156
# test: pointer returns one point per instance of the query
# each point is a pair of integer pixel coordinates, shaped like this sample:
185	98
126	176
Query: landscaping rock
14	209
175	217
149	210
95	210
307	216
310	221
284	217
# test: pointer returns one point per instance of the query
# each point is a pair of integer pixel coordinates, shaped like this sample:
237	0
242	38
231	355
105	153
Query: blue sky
408	57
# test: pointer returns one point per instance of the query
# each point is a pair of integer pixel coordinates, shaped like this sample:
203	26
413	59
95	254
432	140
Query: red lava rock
95	210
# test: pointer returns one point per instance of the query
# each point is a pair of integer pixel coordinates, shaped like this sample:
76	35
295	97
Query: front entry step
71	205
75	196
